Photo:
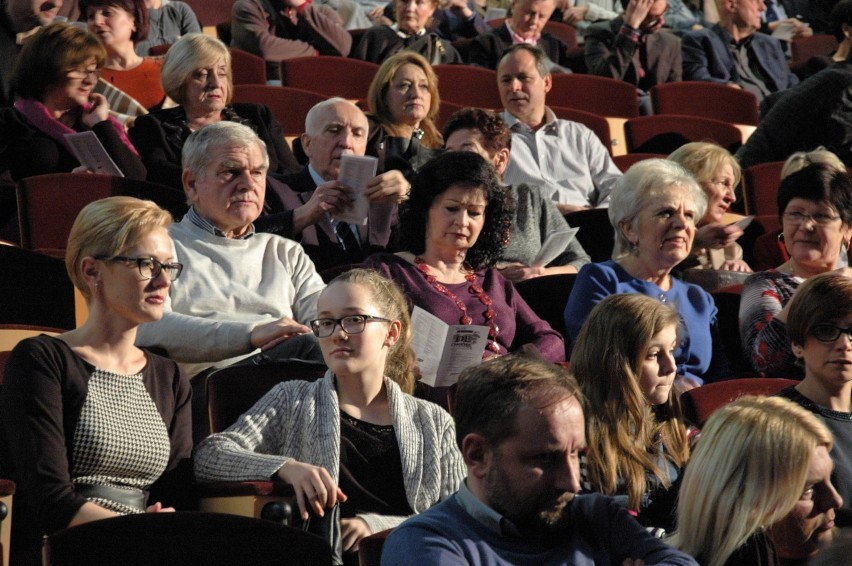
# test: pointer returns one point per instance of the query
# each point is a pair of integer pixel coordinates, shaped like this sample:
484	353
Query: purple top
518	323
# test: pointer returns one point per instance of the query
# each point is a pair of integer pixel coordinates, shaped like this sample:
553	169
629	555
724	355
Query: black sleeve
124	158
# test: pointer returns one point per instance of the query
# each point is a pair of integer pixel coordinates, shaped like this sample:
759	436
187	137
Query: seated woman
356	437
90	421
197	75
653	211
758	478
404	101
454	228
54	78
637	441
168	21
817	321
717	172
815	206
410	33
534	216
119	24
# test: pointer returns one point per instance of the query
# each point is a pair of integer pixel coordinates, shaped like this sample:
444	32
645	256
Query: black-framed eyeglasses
149	268
829	332
352	324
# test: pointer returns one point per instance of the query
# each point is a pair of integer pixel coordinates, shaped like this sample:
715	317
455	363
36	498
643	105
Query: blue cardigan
597	281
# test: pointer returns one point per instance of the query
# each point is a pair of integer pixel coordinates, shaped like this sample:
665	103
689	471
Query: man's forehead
343	114
517	62
235	155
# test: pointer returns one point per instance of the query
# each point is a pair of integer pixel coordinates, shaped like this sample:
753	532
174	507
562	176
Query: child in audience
637	440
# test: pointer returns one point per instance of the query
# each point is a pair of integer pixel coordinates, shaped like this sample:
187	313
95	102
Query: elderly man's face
229	193
341	129
522	88
26	14
529	16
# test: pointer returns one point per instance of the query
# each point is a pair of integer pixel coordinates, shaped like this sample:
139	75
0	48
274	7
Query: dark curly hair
495	132
465	169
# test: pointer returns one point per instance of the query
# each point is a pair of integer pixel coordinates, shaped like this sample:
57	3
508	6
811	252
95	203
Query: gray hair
312	118
643	183
219	135
192	52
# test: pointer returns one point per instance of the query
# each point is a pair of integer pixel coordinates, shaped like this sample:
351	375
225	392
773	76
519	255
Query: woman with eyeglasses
356	437
54	79
815	206
93	426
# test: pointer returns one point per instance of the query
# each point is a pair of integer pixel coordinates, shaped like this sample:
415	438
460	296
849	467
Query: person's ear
798	350
501	160
477	455
90	270
188	179
629	233
548	82
394	332
306	144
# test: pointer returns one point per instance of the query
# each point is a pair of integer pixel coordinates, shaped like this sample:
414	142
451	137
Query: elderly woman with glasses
93	425
815	206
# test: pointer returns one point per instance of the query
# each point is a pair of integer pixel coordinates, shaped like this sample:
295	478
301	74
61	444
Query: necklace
473	289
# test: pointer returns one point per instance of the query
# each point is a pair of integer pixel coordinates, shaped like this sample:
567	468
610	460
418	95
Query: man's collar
201	222
488	517
315	176
405	35
515	125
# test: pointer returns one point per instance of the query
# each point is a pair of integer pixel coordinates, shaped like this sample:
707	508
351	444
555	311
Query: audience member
454	228
565	159
403	101
311	198
410	33
817	324
520	427
197	75
815	208
787	13
119	24
457	19
685	15
582	13
90	421
761	468
635	48
246	292
168	21
733	52
284	29
534	216
718	173
19	19
638	443
54	78
525	26
357	437
653	211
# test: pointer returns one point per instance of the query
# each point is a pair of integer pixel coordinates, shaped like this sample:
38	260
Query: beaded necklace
473	289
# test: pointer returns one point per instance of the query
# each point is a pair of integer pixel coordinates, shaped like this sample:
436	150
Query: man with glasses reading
244	293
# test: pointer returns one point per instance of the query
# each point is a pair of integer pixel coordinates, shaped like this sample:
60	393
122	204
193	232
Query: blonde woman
760	462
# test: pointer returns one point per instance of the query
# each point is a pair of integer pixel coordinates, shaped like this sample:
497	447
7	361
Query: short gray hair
642	183
219	135
192	52
312	117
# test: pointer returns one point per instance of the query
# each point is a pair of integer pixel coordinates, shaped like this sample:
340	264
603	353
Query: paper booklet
89	151
444	350
356	171
553	246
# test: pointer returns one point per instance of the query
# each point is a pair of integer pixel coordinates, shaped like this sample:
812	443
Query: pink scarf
39	117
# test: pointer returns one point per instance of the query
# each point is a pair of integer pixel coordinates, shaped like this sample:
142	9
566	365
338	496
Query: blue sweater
596	281
600	532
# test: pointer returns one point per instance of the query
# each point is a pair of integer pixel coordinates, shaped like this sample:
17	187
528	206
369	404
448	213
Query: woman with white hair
654	209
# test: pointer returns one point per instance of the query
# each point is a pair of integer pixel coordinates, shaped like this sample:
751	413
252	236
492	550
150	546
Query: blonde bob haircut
377	96
747	472
108	227
643	184
704	160
192	52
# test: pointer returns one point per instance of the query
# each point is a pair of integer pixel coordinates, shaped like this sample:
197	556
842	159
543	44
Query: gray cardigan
299	420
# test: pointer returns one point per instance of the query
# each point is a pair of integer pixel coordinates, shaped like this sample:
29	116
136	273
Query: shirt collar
488	517
517	39
208	227
315	176
404	35
550	122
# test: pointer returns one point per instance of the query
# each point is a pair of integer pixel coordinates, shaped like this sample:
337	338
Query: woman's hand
353	530
96	111
717	236
736	265
519	271
313	485
158	508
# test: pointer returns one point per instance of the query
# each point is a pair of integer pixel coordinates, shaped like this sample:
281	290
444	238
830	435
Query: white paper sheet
355	172
443	351
89	151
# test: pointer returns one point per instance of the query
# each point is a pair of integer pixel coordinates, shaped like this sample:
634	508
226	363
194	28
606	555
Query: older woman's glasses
81	74
352	324
801	218
829	332
149	268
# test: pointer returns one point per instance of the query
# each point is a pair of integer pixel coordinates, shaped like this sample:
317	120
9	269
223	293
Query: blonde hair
747	472
107	227
192	52
622	428
400	365
704	159
377	96
819	156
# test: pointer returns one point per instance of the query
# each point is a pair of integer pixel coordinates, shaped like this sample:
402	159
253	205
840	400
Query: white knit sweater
299	420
